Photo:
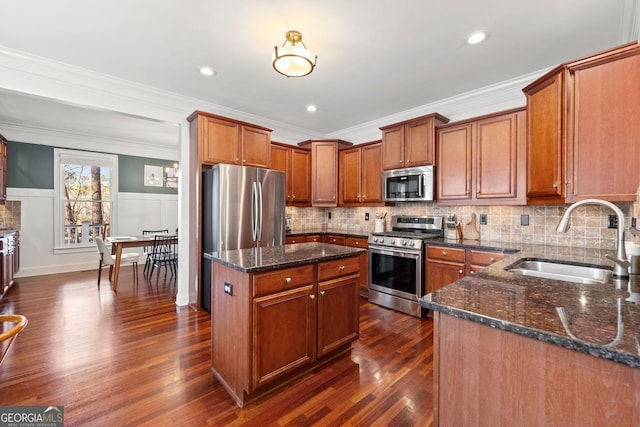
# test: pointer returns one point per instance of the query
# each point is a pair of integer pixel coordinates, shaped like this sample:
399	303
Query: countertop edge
548	337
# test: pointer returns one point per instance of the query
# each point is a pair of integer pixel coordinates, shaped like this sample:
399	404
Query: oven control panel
395	241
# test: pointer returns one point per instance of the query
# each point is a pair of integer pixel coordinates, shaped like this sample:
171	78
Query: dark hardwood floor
135	358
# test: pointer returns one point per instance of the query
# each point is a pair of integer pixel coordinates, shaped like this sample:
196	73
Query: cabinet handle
555	185
460	271
294	197
287	280
322	293
400	161
492	259
357	243
312	296
244	161
408	161
444	253
341	268
237	159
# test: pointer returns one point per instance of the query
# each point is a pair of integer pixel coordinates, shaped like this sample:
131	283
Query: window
86	186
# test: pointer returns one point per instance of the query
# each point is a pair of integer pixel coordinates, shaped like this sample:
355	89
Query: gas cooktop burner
409	231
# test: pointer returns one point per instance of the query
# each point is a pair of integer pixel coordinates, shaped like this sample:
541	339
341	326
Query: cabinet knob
460	271
287	280
341	268
408	161
400	161
244	161
237	159
312	296
294	197
492	259
555	185
444	253
357	243
321	292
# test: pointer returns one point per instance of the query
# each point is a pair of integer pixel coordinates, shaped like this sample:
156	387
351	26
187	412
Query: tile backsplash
588	223
10	215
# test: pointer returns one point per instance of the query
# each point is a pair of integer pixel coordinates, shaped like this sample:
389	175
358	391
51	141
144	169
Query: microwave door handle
420	185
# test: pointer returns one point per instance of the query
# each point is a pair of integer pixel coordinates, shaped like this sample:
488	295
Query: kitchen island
504	355
278	312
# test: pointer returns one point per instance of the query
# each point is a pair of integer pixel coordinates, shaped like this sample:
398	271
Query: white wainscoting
135	212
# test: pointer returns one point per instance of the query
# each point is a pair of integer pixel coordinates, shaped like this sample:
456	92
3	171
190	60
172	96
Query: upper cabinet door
393	148
419	149
545	166
454	170
220	141
371	191
496	145
300	176
255	145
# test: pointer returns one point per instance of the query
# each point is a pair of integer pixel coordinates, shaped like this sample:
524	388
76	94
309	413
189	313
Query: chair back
156	232
165	247
7	337
105	253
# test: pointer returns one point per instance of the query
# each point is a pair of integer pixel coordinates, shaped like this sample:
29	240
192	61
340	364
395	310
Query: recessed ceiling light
312	108
207	71
476	37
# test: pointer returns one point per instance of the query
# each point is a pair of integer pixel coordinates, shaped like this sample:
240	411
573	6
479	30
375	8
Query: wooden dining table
120	242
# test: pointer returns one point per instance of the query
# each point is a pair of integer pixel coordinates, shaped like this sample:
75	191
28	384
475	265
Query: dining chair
7	337
164	253
107	259
147	249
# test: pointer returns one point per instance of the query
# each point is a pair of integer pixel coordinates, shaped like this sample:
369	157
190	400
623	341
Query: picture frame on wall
152	176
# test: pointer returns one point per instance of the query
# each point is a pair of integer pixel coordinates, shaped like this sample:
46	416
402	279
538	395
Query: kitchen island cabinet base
243	398
483	375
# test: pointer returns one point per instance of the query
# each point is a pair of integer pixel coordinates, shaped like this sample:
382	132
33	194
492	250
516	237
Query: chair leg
135	271
99	271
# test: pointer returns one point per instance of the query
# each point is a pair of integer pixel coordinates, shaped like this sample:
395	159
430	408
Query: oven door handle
401	253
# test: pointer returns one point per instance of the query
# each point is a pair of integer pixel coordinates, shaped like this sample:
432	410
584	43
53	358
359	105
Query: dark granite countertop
323	231
527	305
276	257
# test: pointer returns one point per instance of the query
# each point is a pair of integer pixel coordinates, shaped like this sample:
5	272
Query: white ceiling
375	57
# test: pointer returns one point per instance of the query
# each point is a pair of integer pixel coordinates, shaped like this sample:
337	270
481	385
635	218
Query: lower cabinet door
284	333
338	313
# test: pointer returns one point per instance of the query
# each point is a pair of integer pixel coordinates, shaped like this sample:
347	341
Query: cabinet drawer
290	240
337	268
356	242
446	254
335	240
313	238
282	280
485	258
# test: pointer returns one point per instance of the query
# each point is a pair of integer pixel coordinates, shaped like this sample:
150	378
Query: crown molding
497	97
79	141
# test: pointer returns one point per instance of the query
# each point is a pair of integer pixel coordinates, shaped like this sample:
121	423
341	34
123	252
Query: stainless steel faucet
622	265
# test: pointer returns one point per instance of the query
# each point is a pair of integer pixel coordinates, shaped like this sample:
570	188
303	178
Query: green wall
31	166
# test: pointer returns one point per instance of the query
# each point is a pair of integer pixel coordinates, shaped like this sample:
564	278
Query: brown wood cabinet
359	175
360	242
224	140
485	376
296	163
482	161
324	170
445	265
3	170
271	325
410	143
582	129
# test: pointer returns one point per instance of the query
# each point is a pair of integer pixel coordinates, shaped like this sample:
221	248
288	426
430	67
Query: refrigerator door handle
254	203
259	222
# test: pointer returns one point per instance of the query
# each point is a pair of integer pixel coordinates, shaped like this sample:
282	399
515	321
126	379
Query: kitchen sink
557	270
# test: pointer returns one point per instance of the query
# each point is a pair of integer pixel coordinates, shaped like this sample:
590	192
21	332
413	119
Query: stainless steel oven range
396	260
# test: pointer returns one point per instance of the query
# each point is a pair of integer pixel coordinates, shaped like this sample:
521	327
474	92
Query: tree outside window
85	196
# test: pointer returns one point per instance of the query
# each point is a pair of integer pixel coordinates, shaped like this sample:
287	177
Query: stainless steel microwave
408	184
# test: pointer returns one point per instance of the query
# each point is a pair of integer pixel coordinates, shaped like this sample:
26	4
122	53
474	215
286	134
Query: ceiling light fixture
476	37
293	59
312	108
207	71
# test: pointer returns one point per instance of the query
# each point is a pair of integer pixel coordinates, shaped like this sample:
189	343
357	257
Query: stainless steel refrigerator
242	207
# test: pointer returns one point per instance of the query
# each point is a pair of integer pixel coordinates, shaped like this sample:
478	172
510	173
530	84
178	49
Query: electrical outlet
366	216
633	222
329	215
524	219
613	222
228	288
483	219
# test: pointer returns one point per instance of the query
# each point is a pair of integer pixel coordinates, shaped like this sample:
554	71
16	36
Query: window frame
66	156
